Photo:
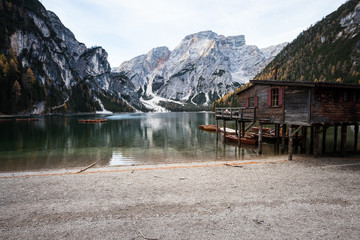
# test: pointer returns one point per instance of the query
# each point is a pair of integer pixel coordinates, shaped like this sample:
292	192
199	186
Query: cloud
127	28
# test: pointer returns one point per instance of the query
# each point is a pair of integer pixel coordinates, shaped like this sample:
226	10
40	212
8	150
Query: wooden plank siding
325	110
297	104
303	103
264	112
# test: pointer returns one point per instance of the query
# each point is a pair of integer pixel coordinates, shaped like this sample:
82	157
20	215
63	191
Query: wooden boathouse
296	106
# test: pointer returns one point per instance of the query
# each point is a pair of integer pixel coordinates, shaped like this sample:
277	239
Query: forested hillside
328	51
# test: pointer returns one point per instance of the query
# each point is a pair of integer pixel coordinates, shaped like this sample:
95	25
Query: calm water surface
125	139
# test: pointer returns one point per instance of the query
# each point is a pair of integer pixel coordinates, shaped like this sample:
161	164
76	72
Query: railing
240	113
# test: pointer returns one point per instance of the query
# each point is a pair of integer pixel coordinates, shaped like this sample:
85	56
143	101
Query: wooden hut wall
244	96
265	112
335	105
297	101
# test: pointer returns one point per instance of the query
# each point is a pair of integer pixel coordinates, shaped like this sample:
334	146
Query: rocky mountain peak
202	68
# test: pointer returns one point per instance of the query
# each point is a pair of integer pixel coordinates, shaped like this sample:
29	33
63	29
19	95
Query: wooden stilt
277	133
224	130
335	137
323	146
296	142
316	141
239	135
290	150
283	140
236	127
260	138
312	140
356	130
343	139
303	139
243	129
217	129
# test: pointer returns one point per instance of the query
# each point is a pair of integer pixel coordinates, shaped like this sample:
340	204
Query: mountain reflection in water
125	139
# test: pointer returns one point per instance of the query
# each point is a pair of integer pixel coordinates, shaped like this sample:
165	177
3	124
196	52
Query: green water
125	139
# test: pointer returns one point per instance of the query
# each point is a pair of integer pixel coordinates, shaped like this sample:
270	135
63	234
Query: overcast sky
128	28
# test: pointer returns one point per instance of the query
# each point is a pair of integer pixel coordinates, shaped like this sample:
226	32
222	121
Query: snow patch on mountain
202	68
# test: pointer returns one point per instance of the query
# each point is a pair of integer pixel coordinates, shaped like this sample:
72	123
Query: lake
56	142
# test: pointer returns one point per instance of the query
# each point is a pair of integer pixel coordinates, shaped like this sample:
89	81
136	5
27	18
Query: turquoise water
125	139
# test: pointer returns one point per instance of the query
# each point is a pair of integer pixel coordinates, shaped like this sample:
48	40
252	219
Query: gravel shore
270	198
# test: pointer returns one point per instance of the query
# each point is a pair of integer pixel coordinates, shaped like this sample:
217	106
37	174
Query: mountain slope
327	51
202	68
63	74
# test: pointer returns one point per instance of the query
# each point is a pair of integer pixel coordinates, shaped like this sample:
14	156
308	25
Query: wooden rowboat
244	140
91	120
208	127
256	129
27	119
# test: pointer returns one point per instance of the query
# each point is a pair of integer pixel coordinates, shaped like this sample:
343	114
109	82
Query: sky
129	28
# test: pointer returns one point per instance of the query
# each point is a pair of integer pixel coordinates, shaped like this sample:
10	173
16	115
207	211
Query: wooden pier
293	108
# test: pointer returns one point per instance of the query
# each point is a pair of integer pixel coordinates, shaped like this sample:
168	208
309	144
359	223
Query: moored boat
244	140
98	120
208	127
27	119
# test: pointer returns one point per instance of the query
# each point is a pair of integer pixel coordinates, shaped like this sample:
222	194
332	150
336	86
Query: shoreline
307	198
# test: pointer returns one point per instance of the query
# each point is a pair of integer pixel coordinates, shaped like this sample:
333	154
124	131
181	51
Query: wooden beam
312	140
335	137
290	150
323	147
224	131
260	138
243	129
316	141
217	129
303	139
356	129
236	127
277	133
283	137
294	132
239	135
343	139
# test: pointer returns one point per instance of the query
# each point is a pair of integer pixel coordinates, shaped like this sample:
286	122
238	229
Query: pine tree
15	95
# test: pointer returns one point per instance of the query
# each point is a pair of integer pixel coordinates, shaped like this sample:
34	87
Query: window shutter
281	96
269	98
247	103
256	102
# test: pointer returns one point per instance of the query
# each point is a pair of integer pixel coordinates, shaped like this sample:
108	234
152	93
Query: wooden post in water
277	133
323	147
217	129
236	127
343	139
260	138
224	131
303	139
239	135
356	129
316	141
243	129
290	147
335	137
312	140
283	137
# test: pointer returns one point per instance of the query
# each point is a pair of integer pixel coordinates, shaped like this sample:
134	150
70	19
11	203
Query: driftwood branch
233	165
146	238
90	166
